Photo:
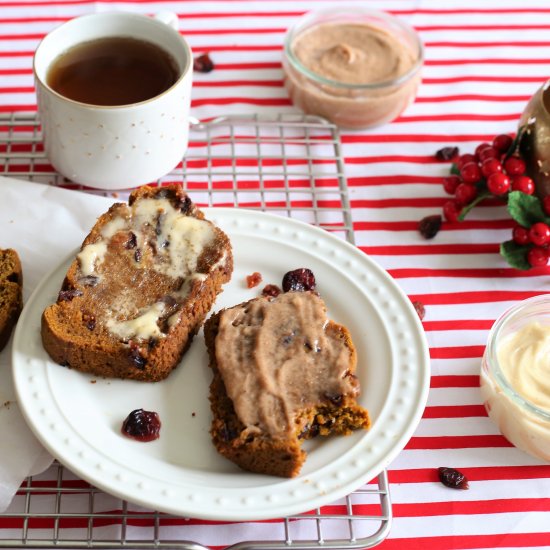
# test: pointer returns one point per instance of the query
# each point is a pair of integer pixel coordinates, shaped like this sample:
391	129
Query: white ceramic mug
120	146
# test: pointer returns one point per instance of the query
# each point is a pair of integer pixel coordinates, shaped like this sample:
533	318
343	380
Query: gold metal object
534	141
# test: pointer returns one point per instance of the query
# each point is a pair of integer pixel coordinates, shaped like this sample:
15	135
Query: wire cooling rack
290	165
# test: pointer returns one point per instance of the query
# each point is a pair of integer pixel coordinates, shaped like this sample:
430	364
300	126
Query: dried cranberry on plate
142	425
299	280
271	291
253	279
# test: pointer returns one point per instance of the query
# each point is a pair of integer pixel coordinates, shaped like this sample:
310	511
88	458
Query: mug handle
168	18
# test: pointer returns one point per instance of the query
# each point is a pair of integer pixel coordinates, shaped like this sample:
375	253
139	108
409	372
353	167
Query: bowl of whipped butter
515	376
353	66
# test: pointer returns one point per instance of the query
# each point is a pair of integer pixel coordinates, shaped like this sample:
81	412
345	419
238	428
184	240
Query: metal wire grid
40	518
290	165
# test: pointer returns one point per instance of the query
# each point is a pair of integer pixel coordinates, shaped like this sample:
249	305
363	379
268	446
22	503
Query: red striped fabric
467	542
486	473
483	61
454	381
457	442
454	411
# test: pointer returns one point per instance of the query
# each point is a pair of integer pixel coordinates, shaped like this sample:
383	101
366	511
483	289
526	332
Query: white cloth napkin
43	224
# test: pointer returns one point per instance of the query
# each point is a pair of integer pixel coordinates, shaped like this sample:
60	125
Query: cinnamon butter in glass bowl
515	376
353	66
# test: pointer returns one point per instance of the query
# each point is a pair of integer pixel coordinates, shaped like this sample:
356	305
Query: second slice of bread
282	373
140	288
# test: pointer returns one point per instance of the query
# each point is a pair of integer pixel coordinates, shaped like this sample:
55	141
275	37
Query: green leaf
454	169
515	254
526	209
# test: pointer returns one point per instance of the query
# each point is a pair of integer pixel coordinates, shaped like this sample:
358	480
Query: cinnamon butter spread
355	74
150	236
353	53
524	359
279	356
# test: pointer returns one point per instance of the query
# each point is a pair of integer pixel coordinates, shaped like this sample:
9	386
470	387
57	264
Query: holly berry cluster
497	170
491	171
529	246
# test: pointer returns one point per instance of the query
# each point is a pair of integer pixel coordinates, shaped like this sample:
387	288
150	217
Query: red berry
301	279
514	166
490	166
524	184
203	63
420	309
546	204
537	256
450	184
271	291
465	193
254	279
465	159
481	147
539	234
446	153
488	153
451	211
520	235
470	172
142	425
428	227
502	142
453	478
498	183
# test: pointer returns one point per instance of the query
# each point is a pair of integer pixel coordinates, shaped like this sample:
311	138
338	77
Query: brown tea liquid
113	71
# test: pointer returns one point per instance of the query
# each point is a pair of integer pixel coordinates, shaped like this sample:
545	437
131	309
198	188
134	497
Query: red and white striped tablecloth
484	59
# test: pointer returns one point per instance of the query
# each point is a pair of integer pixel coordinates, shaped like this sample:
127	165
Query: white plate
78	417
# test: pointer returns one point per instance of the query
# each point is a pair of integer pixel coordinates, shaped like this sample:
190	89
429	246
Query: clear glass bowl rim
311	16
492	362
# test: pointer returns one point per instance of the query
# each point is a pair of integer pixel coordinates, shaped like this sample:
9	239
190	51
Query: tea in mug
113	71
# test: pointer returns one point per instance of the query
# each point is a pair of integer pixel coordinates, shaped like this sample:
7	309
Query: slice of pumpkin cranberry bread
139	289
11	293
282	373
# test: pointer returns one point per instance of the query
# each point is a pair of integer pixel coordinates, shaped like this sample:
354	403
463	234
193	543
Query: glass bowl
521	415
353	105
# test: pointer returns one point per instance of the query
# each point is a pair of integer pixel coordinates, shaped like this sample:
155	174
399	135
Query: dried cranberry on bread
283	373
11	293
139	289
